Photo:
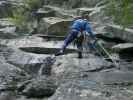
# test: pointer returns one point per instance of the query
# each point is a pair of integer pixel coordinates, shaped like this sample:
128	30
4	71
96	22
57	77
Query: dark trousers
71	37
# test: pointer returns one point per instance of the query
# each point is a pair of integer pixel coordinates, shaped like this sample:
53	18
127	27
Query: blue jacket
81	25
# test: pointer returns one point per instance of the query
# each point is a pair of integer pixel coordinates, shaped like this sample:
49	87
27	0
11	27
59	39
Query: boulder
45	12
29	63
123	46
51	11
37	45
5	9
6	68
10	75
124	50
127	65
66	14
118	32
8	33
40	87
84	10
7	29
54	26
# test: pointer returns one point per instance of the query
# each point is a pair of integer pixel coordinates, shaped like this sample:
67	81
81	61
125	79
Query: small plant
22	15
121	11
19	18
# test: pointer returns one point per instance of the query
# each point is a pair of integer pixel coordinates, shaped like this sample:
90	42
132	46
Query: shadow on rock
40	87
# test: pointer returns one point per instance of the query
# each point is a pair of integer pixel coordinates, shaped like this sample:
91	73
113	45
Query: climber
79	27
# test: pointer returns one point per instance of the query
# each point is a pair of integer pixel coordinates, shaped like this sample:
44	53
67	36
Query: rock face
5	9
45	12
27	64
94	78
54	26
118	32
7	29
7	68
70	65
36	45
8	32
42	87
51	11
124	46
86	10
30	63
71	3
57	20
97	15
7	96
17	67
10	75
77	90
84	89
124	50
4	22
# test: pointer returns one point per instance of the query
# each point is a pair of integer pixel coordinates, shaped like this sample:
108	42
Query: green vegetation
19	18
22	15
32	4
121	11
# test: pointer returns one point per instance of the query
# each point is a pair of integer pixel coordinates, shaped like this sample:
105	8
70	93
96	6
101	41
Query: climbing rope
90	43
108	55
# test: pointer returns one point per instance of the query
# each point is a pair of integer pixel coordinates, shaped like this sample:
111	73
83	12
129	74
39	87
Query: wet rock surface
36	45
87	64
8	32
7	29
89	90
15	75
54	25
9	74
65	77
119	32
124	46
124	50
29	71
40	87
30	63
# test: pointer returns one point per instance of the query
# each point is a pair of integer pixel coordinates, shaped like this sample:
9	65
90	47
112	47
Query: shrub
121	11
22	15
